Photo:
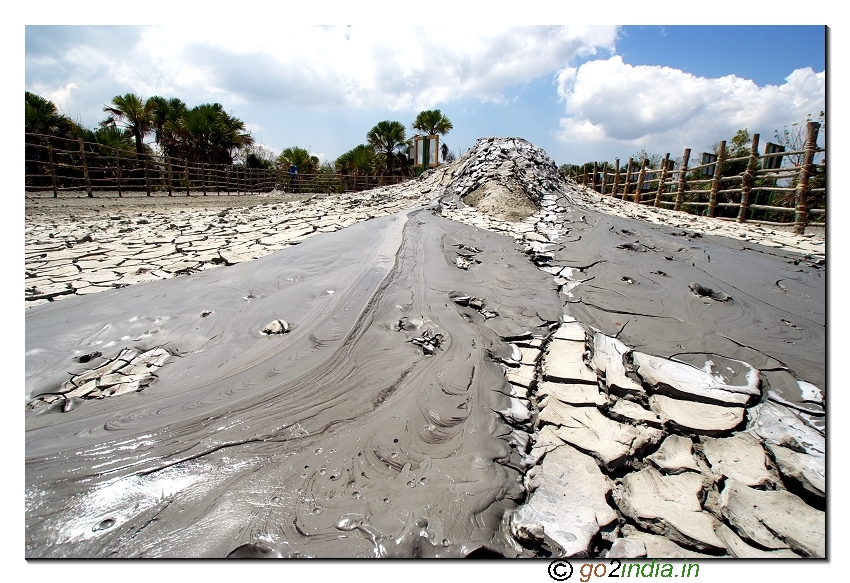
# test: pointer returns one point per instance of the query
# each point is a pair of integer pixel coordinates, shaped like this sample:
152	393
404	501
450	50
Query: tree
306	162
794	138
387	137
431	122
106	140
135	113
255	156
42	117
359	160
212	136
641	155
737	147
168	122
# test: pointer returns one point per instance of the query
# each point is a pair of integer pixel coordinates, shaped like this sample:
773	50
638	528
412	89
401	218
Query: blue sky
581	92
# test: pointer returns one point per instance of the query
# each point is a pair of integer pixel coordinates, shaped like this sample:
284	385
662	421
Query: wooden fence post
118	170
595	176
747	180
662	180
85	167
203	178
641	178
628	177
683	179
604	176
802	195
147	177
616	176
168	168
186	174
52	169
715	180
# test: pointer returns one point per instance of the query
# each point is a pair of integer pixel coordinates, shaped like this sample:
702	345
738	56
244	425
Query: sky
581	92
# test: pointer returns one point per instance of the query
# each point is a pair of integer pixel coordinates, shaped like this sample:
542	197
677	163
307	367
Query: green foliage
307	163
108	140
432	121
738	146
213	136
387	137
255	156
134	113
168	123
359	160
641	155
42	117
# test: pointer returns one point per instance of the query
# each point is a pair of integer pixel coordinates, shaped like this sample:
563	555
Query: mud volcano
509	366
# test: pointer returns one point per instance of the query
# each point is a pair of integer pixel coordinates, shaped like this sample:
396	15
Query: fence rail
702	187
61	165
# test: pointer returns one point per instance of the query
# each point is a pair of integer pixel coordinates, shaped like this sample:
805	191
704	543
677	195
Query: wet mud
382	390
674	295
340	438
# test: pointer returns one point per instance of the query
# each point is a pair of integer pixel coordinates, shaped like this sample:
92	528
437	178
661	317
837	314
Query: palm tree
210	135
359	160
168	122
300	157
135	113
431	122
106	140
42	117
387	136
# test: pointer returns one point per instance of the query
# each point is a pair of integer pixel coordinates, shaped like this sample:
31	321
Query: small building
425	151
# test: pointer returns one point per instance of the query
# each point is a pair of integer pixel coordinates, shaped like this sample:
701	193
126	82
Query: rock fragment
740	457
627	548
699	418
774	519
567	506
804	471
680	380
571	393
608	358
277	327
739	549
670	506
565	363
610	442
676	455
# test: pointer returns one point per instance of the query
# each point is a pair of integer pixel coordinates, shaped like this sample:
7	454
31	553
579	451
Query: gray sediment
432	363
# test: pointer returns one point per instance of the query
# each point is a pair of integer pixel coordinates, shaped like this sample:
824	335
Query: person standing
293	178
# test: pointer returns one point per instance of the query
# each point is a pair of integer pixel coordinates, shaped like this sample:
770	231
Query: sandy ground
42	205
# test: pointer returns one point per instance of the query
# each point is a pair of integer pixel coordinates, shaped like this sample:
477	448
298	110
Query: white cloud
361	66
661	107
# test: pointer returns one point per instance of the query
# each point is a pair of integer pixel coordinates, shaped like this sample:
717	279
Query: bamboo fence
701	189
65	165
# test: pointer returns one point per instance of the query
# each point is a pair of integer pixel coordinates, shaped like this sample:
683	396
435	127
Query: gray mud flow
692	297
370	428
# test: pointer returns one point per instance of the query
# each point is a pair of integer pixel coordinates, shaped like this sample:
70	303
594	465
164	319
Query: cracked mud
435	382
